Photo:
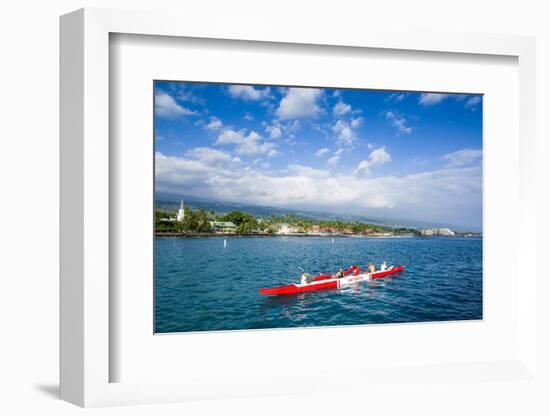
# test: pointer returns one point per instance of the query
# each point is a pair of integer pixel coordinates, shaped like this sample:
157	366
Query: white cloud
307	171
333	161
292	126
473	101
246	144
344	132
444	195
299	103
396	97
254	147
278	129
248	93
399	122
463	157
431	98
229	136
167	107
274	131
322	151
186	94
341	109
209	155
376	158
248	117
215	124
356	122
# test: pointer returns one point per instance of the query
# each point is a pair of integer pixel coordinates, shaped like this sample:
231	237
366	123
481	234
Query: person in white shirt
304	278
383	266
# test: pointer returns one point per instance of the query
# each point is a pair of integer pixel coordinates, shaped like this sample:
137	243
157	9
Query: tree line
198	221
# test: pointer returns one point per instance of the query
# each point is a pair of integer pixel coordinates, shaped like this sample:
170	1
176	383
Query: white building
287	229
445	232
181	213
223	227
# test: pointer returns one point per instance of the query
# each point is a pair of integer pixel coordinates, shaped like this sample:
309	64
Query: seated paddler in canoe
306	278
354	270
371	267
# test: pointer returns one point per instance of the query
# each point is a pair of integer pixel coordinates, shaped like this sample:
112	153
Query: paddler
383	266
340	273
371	267
305	278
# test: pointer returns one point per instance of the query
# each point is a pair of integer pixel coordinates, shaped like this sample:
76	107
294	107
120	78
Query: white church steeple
181	212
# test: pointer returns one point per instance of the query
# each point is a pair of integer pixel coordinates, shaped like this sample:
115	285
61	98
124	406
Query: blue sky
401	155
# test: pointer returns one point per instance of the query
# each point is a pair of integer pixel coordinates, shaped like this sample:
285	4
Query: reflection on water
200	285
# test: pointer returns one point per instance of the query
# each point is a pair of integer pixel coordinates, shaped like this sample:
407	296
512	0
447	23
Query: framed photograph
242	215
265	194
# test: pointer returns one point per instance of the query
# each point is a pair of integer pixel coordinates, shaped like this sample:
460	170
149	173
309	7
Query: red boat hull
318	283
393	270
293	289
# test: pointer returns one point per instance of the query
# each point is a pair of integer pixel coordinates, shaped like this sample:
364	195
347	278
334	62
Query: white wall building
287	229
445	232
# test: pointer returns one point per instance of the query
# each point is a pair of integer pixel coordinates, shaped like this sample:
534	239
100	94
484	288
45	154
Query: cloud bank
452	191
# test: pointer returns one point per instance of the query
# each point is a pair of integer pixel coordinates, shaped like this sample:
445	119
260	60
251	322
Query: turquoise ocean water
202	286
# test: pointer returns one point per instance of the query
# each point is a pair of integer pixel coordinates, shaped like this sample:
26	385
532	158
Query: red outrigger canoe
353	275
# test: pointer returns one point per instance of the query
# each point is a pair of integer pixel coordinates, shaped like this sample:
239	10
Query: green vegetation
246	223
195	221
162	223
199	221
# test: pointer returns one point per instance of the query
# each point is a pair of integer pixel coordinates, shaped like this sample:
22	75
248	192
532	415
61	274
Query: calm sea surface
202	286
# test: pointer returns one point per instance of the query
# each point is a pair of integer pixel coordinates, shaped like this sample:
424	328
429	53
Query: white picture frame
85	211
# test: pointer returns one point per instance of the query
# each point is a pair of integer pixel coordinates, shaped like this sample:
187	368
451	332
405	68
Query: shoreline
202	235
169	234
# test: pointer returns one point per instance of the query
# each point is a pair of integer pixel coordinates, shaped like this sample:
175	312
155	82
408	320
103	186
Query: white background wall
29	208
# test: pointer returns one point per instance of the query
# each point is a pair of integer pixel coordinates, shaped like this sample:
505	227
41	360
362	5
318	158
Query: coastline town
190	222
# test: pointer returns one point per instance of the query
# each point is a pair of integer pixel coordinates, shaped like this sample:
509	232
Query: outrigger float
327	281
